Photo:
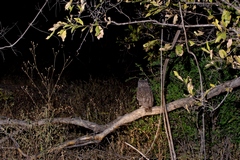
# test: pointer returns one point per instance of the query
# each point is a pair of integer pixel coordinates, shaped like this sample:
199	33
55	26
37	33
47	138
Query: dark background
97	58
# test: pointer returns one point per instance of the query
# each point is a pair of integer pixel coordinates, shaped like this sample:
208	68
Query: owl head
143	83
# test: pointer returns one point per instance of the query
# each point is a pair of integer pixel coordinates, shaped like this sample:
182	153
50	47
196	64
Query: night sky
100	58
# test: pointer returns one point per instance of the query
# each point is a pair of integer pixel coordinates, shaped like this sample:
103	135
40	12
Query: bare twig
201	81
26	30
136	150
162	24
165	113
231	5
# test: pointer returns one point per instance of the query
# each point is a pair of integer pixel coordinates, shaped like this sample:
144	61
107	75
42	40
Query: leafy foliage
200	38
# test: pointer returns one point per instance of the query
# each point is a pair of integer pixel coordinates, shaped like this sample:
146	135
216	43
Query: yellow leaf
212	85
91	29
238	12
229	59
185	6
167	3
210	17
226	18
175	19
194	7
237	58
220	36
186	107
68	5
168	16
211	54
177	75
78	20
190	87
229	43
217	25
48	37
237	21
84	28
222	53
229	89
208	46
166	47
62	33
179	49
198	33
205	50
56	26
99	32
208	65
191	43
81	7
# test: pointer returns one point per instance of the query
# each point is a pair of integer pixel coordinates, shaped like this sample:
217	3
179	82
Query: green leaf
177	75
222	53
150	44
68	5
229	43
99	32
175	19
209	51
210	17
91	29
62	33
57	25
84	28
74	28
208	46
216	23
237	58
48	37
205	50
179	50
226	18
220	36
79	21
191	43
167	3
198	33
190	87
166	47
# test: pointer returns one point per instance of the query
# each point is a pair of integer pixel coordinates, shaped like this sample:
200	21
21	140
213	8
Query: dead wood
101	131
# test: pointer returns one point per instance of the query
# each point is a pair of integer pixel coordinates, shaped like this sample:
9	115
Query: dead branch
101	131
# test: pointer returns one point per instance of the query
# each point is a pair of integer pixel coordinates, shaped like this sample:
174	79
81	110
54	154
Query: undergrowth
102	101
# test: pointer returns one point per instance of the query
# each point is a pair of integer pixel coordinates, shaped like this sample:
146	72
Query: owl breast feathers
145	95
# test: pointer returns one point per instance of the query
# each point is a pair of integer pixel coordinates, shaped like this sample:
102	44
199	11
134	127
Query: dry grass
100	101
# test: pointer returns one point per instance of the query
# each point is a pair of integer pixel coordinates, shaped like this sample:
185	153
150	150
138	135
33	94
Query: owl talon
148	109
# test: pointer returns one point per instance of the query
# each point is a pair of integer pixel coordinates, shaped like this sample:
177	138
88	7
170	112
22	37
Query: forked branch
101	131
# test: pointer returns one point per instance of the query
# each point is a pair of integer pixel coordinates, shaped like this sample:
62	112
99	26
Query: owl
145	95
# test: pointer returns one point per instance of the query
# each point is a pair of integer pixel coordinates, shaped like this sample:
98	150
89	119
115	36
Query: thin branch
162	24
136	150
231	5
200	77
26	30
221	102
165	113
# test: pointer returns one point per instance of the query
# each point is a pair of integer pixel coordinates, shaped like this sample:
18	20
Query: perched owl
145	95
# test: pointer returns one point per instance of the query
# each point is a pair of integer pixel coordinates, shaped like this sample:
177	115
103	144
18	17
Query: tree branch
162	24
101	131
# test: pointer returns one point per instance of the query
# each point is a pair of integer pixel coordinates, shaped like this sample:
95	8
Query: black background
99	58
